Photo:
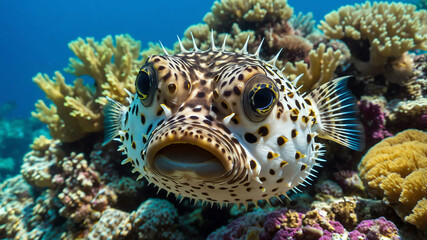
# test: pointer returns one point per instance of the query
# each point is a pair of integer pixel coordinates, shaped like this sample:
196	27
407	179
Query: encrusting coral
396	170
379	33
77	109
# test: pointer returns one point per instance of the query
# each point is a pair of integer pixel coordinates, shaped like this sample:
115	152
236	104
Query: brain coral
396	170
377	33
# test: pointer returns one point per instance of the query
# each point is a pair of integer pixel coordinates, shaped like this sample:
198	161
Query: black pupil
263	98
143	83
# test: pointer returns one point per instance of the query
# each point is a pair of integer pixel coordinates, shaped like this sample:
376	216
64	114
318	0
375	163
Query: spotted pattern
198	100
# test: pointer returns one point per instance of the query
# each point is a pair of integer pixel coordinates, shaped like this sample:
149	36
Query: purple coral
288	224
329	187
373	119
375	229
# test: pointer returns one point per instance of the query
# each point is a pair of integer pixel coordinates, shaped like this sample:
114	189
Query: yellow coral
323	63
229	11
77	109
388	29
396	170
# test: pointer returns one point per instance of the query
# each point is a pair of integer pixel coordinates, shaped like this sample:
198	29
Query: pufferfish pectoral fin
336	117
113	112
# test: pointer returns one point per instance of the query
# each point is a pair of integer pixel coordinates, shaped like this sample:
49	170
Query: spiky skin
198	104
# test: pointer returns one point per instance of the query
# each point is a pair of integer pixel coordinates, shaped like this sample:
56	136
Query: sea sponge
396	170
77	109
323	63
377	33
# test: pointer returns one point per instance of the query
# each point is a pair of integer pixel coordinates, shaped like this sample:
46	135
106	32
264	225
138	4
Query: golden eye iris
146	84
143	84
260	95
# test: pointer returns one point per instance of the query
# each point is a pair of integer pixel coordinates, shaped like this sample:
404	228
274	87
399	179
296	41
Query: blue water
35	34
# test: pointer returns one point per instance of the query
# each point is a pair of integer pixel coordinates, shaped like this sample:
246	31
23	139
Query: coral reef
242	12
279	31
304	24
14	196
83	195
328	187
154	219
35	169
349	181
375	229
378	34
315	224
396	170
323	63
72	187
373	116
77	109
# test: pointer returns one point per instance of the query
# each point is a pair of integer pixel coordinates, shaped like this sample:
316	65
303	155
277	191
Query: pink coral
83	195
375	229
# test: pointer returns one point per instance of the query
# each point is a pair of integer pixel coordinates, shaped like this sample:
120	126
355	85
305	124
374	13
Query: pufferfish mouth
188	154
187	159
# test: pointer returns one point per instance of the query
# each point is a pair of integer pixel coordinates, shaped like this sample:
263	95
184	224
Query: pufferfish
226	127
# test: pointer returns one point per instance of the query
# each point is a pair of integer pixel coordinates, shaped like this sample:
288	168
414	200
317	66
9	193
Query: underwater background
58	182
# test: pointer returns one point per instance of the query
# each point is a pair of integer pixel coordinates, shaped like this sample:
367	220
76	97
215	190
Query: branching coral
236	18
239	19
303	23
323	63
77	109
241	11
283	36
377	33
396	170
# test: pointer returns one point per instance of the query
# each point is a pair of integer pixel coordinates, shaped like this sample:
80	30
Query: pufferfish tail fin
113	113
337	114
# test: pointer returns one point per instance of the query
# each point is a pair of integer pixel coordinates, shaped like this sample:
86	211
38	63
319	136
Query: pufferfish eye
259	97
146	84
